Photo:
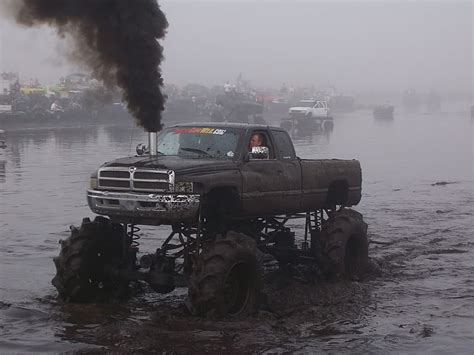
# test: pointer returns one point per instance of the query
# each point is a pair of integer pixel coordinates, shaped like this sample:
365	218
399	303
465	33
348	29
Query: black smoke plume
117	40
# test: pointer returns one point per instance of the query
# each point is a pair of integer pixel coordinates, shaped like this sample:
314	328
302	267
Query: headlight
184	187
93	183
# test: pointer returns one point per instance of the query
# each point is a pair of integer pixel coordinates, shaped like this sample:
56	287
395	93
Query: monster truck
229	206
310	115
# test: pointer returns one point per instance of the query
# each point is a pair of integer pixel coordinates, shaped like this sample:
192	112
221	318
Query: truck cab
203	168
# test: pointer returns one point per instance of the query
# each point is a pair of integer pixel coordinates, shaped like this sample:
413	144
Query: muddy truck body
227	204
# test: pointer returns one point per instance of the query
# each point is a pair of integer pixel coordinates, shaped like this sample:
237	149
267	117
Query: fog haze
392	273
353	45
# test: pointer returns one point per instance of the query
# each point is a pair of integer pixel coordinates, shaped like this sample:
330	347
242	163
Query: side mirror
259	153
141	149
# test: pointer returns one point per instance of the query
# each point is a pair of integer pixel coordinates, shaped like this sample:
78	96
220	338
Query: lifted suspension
272	235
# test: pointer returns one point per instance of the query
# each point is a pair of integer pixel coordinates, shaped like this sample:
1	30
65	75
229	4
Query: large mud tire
344	245
226	279
87	260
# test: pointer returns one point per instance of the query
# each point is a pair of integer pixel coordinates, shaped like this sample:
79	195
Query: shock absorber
315	229
134	236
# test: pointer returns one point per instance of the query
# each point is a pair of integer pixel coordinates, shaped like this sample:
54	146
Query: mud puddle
296	312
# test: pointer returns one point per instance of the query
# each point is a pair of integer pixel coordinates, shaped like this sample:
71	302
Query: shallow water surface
421	299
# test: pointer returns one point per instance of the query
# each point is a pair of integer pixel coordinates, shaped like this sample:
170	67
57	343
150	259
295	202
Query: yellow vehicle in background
29	90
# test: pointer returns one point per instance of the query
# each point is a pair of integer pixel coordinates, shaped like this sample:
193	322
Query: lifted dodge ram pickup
227	191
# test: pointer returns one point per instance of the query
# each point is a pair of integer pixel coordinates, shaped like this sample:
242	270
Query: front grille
115	174
151	186
134	179
150	176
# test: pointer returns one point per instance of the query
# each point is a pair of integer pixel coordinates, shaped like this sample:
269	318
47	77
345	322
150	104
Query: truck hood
177	164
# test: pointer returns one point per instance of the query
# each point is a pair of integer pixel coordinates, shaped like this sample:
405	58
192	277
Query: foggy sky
353	45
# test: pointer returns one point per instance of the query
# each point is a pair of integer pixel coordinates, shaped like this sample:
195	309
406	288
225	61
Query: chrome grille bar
123	179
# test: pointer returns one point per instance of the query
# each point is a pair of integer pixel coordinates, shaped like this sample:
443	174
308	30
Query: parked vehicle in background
384	112
310	108
309	116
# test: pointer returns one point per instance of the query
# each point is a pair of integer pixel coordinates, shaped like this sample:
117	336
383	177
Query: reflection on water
420	236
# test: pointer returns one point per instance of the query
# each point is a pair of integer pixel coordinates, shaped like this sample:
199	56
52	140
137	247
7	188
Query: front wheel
88	260
344	245
225	280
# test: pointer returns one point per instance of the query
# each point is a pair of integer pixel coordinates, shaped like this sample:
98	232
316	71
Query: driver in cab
257	140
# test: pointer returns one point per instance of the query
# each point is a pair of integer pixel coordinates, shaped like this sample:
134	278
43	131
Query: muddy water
419	299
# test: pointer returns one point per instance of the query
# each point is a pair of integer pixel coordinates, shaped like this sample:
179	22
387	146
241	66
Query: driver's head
256	140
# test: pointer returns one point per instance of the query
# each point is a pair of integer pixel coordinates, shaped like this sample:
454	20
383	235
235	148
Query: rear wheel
87	261
225	280
344	245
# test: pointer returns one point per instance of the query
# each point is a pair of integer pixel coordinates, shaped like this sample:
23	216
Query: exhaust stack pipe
152	143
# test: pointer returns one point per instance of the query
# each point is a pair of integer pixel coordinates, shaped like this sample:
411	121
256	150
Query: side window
284	145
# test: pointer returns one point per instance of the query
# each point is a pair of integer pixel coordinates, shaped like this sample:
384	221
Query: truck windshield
199	142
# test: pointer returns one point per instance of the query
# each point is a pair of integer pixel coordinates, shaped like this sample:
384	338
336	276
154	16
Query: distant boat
384	112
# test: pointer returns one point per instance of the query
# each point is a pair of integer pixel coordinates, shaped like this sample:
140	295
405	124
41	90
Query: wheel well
221	200
338	193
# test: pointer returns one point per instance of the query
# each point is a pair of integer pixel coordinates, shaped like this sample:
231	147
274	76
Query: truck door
321	109
290	174
263	184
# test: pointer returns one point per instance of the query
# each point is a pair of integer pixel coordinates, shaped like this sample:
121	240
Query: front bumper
142	208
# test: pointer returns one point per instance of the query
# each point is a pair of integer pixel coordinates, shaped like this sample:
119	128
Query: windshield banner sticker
200	130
